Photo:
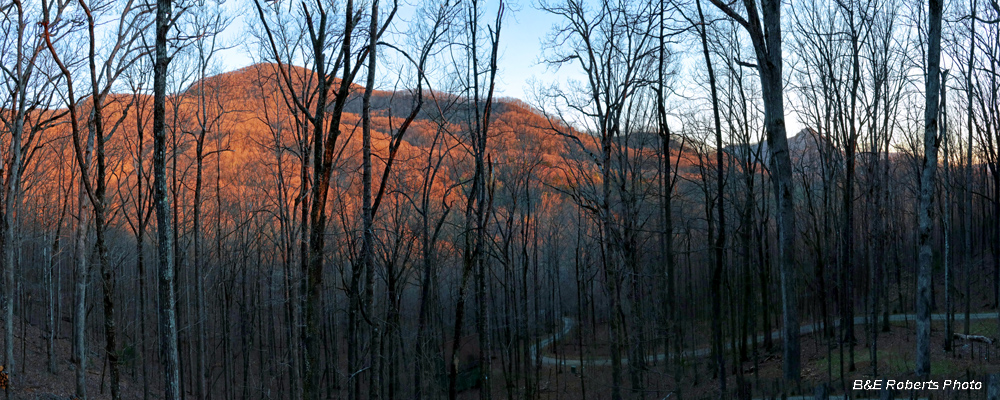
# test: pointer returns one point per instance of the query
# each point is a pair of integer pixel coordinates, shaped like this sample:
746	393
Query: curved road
569	323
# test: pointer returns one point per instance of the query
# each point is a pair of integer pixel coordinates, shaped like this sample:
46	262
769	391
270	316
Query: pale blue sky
524	31
525	27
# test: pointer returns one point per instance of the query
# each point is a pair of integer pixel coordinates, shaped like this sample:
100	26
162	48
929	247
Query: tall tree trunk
53	298
368	234
946	218
325	141
476	206
98	198
8	240
847	234
970	126
764	28
669	326
11	203
80	288
932	88
201	380
720	240
21	73
202	389
167	300
141	271
107	275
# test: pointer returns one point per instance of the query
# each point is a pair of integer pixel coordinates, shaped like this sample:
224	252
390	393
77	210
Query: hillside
542	186
249	129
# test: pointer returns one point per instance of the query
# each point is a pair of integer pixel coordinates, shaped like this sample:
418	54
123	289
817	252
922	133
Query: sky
520	63
525	27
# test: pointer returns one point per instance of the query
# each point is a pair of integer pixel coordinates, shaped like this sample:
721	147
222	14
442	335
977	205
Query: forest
701	199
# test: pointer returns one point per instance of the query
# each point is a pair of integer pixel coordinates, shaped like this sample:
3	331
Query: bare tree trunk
765	33
18	77
107	275
368	234
53	298
968	171
720	240
98	199
428	285
946	198
476	206
847	234
8	238
206	123
778	145
201	382
668	291
141	271
80	288
297	288
167	301
932	89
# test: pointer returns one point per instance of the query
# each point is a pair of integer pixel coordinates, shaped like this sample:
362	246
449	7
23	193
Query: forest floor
34	381
566	376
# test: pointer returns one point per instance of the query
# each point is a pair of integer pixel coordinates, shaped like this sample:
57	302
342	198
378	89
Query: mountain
804	147
253	144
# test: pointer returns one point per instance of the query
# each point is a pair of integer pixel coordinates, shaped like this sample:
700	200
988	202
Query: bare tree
932	88
719	244
209	22
477	204
604	108
26	94
325	133
764	27
167	300
103	75
967	210
137	79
